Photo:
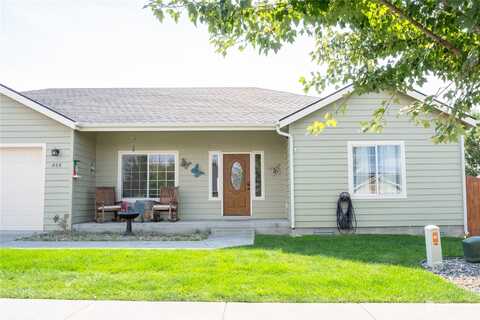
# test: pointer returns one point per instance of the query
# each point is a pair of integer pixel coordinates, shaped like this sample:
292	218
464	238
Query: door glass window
236	175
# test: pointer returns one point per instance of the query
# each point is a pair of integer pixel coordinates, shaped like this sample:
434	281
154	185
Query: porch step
260	226
222	232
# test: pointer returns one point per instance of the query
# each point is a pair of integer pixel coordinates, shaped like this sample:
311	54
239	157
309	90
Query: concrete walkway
7	240
119	310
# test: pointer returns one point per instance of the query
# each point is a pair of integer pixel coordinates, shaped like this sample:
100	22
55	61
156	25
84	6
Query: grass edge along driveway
355	268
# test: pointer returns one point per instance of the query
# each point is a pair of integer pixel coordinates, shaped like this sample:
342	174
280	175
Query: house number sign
56	164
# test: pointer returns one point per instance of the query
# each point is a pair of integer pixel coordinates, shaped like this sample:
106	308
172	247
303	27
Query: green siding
20	124
83	197
434	177
194	147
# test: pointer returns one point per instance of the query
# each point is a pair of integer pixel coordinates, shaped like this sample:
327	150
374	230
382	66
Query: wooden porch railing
473	205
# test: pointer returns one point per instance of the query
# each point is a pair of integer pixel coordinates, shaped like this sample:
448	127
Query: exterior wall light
55	152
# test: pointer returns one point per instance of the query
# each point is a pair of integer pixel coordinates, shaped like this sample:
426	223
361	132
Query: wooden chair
168	201
105	201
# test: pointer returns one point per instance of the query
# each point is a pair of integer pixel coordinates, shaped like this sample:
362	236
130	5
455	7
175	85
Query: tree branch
423	29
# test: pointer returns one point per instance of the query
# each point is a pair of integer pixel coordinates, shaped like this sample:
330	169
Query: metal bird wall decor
196	172
276	171
185	163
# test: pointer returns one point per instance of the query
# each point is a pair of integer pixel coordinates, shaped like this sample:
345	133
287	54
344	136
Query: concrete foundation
451	231
260	226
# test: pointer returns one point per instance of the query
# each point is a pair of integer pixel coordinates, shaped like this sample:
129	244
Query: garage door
21	188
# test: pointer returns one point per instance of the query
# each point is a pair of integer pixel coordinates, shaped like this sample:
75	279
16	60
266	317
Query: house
236	154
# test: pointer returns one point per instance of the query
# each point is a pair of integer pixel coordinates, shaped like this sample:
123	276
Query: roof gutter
173	127
291	173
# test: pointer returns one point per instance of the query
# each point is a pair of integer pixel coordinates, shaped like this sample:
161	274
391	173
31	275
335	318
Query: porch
233	179
260	226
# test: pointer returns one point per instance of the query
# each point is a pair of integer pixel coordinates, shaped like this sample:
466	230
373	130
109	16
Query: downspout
291	173
464	187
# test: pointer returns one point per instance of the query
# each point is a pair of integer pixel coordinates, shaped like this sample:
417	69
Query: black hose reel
346	220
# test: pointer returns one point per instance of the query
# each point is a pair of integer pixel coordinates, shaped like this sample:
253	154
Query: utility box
434	245
471	249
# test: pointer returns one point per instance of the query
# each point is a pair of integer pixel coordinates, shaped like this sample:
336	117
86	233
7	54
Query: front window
377	169
143	175
134	176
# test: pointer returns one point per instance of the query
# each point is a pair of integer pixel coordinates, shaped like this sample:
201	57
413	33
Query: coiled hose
346	220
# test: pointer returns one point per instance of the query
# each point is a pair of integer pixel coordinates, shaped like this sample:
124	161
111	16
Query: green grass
277	268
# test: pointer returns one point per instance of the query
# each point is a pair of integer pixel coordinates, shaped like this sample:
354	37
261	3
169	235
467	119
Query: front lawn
277	268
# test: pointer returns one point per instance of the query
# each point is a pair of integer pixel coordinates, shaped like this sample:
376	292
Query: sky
117	43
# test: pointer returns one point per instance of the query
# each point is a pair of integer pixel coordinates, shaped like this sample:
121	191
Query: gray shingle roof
169	106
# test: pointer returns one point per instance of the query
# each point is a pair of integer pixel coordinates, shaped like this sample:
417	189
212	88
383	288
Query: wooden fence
473	205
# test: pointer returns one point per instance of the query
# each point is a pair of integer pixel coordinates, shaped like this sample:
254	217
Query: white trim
219	176
262	174
349	89
464	185
147	153
43	167
377	196
173	127
37	107
251	197
291	174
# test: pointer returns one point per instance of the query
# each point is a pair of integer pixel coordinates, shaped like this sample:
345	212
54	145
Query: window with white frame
214	174
377	169
258	175
143	174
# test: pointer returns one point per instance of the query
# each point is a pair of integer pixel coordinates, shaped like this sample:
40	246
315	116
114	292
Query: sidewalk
7	240
119	310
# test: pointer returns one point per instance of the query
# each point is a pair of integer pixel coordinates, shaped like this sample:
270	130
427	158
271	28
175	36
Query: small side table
129	216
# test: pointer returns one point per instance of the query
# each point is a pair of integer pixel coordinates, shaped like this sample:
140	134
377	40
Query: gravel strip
464	274
108	236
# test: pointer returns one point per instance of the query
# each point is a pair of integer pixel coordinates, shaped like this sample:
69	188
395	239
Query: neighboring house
234	153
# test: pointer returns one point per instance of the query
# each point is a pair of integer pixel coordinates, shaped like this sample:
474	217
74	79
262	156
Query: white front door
21	188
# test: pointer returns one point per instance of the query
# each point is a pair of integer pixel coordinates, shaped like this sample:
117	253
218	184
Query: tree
373	44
